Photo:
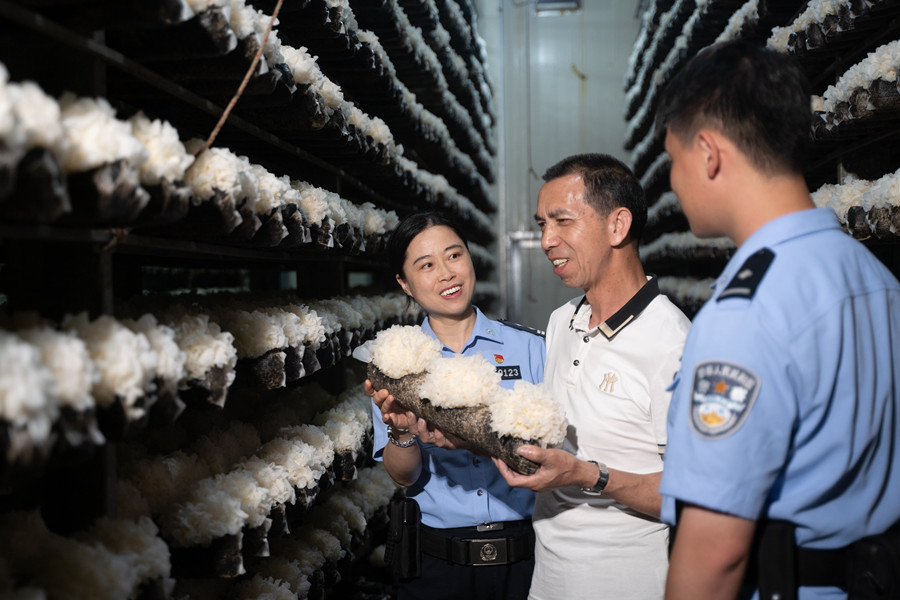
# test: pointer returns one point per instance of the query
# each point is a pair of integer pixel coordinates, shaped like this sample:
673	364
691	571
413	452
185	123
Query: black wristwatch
602	480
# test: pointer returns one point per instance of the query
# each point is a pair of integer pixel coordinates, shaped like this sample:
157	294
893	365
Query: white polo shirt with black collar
612	380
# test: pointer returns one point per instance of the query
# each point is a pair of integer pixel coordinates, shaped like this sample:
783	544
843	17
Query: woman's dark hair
758	98
409	228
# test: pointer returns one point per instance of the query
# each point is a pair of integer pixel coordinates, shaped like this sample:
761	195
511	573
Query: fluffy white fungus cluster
322	446
329	320
36	119
346	506
314	203
125	359
27	388
170	359
7	117
273	478
674	58
687	290
308	557
205	345
244	22
327	517
307	72
347	315
666	205
107	562
294	455
644	146
68	360
213	508
815	13
392	305
315	330
530	413
271	190
94	136
746	16
370	126
403	350
647	67
217	169
883	192
136	539
841	197
325	542
79	571
459	381
677	244
292	325
883	63
372	489
255	332
168	159
288	571
347	423
199	6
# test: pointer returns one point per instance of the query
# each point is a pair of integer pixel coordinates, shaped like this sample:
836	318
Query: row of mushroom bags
231	425
851	58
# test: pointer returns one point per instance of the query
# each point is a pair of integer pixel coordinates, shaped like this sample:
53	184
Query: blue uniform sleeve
731	417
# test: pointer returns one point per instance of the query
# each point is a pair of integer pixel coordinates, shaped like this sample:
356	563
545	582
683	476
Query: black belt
481	545
822	567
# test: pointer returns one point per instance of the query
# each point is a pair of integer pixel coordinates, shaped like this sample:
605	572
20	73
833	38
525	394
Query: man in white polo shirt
611	355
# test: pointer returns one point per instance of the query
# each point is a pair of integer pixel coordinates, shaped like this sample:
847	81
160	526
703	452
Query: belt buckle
482	527
489	551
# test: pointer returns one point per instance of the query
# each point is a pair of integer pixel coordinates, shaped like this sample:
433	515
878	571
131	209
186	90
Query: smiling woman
469	516
435	269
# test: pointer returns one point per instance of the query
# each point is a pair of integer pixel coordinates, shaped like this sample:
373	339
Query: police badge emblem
721	397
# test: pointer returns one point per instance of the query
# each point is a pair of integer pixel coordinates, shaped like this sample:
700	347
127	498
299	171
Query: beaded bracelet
396	442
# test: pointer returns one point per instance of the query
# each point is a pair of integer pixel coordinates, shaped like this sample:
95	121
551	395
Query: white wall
558	91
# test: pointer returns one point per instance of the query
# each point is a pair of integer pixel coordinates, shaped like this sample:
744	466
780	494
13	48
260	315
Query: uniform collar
611	327
484	329
777	231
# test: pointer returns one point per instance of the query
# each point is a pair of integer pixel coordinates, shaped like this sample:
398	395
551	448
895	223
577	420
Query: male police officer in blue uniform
784	423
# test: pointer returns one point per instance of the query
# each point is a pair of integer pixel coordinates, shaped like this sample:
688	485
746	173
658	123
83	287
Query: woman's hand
398	417
430	434
392	412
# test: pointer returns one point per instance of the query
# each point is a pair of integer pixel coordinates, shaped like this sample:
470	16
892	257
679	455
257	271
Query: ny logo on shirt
608	383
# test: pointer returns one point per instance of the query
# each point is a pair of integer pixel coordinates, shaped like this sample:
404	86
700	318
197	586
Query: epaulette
748	276
520	327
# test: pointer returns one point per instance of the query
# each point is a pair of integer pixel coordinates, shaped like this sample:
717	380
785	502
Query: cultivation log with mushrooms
463	397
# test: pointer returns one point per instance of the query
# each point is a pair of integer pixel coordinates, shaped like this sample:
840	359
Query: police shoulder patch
721	397
748	277
537	332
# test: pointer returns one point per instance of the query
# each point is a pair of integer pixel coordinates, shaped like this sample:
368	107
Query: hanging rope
246	80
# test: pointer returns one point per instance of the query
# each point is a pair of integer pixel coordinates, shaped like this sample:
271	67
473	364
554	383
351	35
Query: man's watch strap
602	479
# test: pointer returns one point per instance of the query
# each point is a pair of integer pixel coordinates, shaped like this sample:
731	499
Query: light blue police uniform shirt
458	488
786	404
